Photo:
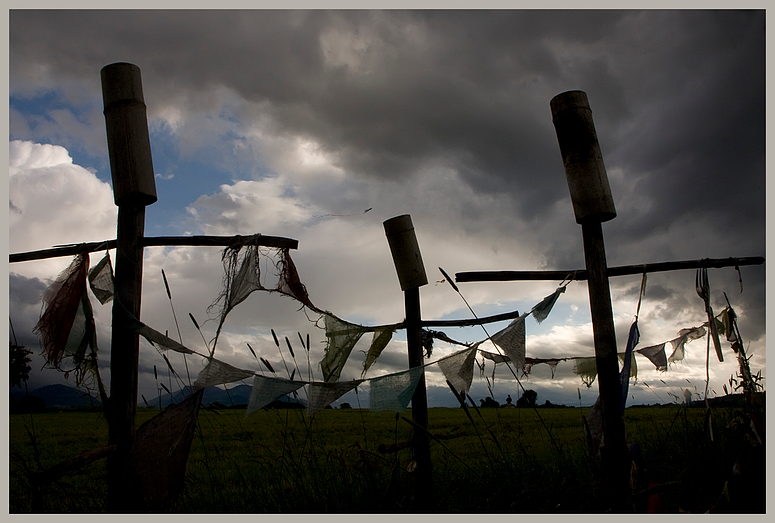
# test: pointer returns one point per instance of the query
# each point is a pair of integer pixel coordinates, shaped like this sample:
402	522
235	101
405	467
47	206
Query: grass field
506	461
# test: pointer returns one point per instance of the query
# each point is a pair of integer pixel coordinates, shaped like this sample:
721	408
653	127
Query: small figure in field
508	400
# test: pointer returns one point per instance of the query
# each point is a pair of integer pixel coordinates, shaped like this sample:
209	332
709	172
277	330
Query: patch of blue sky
43	123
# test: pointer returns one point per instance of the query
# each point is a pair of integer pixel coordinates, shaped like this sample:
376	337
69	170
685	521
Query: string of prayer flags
101	280
394	391
458	369
656	354
266	390
341	338
512	340
66	326
218	373
378	342
542	310
684	337
321	394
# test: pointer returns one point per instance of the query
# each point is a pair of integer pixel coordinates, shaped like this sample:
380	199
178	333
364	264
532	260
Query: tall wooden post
411	275
592	205
134	187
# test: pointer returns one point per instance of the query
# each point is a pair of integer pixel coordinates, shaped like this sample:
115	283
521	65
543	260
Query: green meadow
485	460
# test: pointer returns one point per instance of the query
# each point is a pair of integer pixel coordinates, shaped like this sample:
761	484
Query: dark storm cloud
678	97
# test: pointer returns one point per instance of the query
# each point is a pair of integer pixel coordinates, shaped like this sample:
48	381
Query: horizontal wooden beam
581	274
159	241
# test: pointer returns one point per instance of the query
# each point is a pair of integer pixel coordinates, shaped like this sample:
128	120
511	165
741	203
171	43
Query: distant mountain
61	396
239	395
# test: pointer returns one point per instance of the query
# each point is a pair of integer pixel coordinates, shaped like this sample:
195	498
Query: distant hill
239	395
64	396
59	396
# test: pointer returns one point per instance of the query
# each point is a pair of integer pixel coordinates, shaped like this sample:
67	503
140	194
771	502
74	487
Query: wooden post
133	188
592	205
411	275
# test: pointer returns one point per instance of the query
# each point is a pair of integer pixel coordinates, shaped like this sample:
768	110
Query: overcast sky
293	123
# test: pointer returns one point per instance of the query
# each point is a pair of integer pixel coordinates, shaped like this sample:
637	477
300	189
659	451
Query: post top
121	82
569	100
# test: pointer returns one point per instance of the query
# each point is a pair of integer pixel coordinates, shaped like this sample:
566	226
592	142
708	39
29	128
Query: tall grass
281	461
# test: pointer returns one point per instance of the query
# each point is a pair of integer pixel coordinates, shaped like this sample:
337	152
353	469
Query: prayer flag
101	280
512	340
684	336
341	338
655	354
458	369
217	373
628	361
158	457
266	390
542	310
66	327
322	394
378	343
160	341
394	391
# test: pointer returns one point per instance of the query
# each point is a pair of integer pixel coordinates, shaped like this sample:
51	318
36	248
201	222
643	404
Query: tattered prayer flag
552	365
157	460
586	369
542	310
238	283
380	340
320	394
458	369
266	390
728	321
655	354
593	427
394	391
497	358
217	373
628	361
290	283
66	327
101	280
160	341
512	340
684	336
341	338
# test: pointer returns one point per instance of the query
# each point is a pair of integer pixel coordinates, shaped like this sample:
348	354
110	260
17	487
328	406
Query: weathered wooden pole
592	205
411	275
129	148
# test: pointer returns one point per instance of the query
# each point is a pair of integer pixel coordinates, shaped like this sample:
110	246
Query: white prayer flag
679	343
394	391
101	280
458	369
322	394
266	390
378	343
217	373
160	341
341	338
512	340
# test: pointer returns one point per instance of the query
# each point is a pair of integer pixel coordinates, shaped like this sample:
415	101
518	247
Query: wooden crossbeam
581	274
159	241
